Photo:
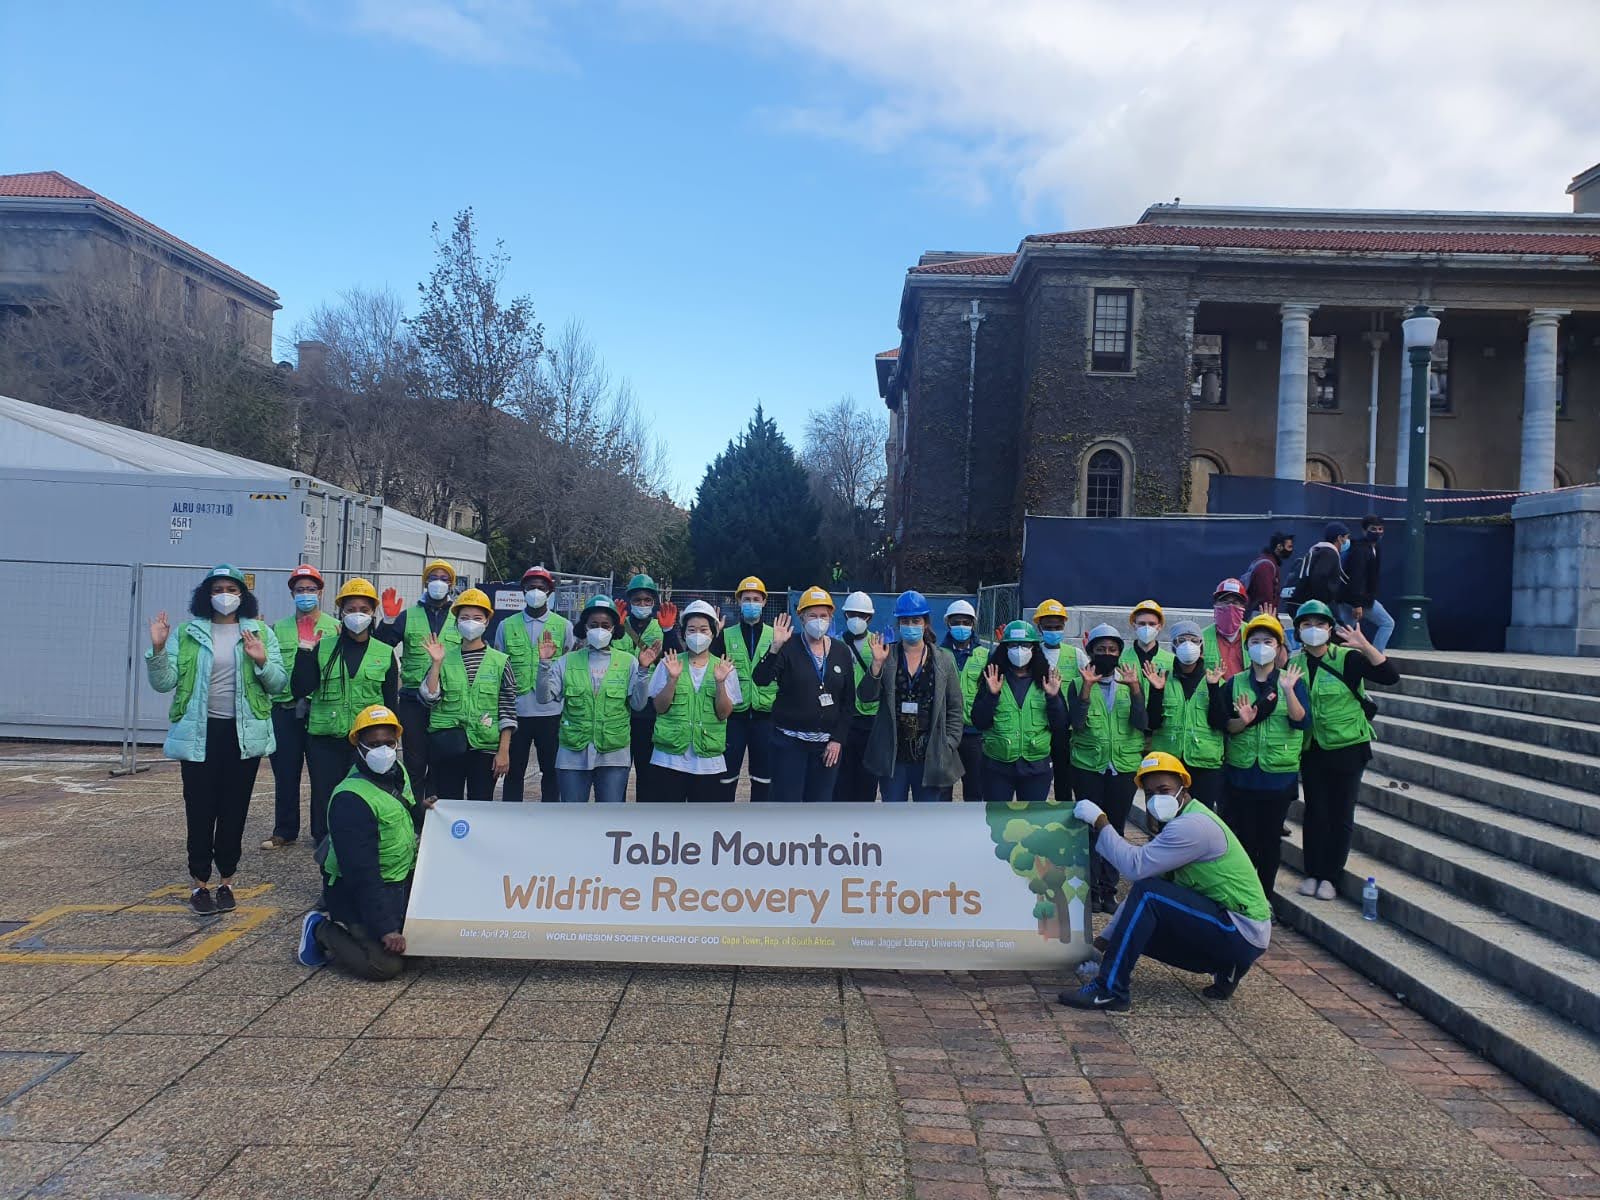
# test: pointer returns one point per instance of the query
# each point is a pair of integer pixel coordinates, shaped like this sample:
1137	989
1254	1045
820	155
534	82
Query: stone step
1567	676
1533	763
1576	737
1525	700
1554	1058
1566	808
1548	973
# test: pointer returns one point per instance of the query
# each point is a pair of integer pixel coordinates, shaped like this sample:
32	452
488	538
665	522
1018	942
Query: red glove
391	603
306	626
669	615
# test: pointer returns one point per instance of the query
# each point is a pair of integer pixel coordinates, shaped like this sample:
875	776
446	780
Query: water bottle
1369	899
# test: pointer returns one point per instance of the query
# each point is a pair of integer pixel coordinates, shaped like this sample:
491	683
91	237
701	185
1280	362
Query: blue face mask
1052	637
305	602
911	634
750	610
961	632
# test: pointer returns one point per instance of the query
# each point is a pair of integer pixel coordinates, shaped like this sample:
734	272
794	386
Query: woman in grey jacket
915	745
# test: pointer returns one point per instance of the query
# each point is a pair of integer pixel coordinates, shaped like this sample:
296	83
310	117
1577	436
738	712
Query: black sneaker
1222	986
225	902
1095	998
200	900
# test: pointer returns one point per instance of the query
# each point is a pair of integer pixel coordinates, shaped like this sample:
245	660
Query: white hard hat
699	608
960	608
858	602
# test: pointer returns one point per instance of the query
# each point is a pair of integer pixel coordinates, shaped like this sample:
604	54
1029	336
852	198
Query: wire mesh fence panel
998	604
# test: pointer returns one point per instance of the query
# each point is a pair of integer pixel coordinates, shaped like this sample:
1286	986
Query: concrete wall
1555	575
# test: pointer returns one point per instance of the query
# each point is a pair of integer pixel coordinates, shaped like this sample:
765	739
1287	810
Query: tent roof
402	531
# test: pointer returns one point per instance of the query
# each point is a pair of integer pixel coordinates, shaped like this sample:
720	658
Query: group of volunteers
389	706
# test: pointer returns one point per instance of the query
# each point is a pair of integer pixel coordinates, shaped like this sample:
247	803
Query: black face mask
1284	553
1104	664
1374	535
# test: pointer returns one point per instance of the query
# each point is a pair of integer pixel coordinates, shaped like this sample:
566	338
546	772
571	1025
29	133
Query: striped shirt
508	687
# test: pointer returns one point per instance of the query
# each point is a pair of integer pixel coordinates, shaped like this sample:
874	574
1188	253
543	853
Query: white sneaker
1326	890
1308	886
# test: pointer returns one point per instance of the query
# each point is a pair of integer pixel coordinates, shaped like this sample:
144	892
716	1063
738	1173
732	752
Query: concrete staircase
1480	819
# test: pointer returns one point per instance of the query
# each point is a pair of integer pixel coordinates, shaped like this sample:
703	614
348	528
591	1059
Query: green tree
755	515
1050	851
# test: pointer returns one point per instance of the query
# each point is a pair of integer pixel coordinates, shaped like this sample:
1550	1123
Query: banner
927	886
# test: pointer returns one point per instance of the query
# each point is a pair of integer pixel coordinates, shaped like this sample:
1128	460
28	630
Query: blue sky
726	193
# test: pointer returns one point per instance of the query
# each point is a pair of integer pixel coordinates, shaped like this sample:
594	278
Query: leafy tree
754	513
1050	851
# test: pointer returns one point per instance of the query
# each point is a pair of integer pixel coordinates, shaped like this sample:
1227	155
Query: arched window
1201	468
1321	470
1104	484
1439	475
1563	479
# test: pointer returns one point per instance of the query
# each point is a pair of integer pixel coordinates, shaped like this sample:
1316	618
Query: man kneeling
373	825
1196	902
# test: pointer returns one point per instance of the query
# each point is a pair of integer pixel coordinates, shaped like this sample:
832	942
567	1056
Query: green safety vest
1184	732
625	640
1231	880
397	831
862	666
473	706
339	698
599	719
692	721
1107	739
971	679
1273	745
750	695
1018	731
523	653
188	664
288	632
1337	719
1163	660
414	660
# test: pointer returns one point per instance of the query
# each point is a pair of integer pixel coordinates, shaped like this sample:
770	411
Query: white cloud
478	31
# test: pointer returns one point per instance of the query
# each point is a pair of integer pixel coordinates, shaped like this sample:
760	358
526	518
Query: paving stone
787	989
556	1068
668	1023
1220	1081
589	984
309	1115
781	1125
117	1172
1459	1184
765	1176
1259	1135
23	1164
315	1172
802	1026
641	1066
141	1059
74	1012
67	1111
185	1012
551	1020
266	1060
783	1070
1307	1183
680	987
412	1015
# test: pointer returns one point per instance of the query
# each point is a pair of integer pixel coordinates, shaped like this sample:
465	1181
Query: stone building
1114	371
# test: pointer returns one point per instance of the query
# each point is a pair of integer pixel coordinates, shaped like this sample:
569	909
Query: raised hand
1052	682
309	640
254	648
1245	709
435	649
880	650
991	676
305	624
1126	675
673	664
1089	675
722	670
1156	676
648	655
1352	636
160	631
1214	676
392	604
547	647
1292	676
782	629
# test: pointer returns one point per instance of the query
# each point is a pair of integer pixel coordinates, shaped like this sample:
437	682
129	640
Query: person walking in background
1262	581
971	658
1019	710
471	694
915	746
693	693
1188	713
410	629
856	783
1107	715
641	628
744	644
1363	570
1340	743
538	725
223	675
307	622
1322	575
1220	639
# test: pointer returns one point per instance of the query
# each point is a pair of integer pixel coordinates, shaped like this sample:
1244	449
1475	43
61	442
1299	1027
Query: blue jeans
748	731
289	732
1375	615
798	776
1177	926
610	785
906	783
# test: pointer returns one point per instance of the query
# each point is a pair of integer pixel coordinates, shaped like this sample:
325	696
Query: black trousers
1114	795
329	760
641	738
539	734
216	800
1061	766
753	732
461	774
413	714
678	787
854	782
1256	818
357	951
971	751
1207	786
289	732
1000	786
1330	821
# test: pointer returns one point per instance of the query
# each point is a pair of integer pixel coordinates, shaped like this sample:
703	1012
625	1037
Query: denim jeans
1375	615
906	784
610	785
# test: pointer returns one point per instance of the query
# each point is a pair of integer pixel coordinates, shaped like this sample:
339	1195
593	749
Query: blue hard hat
912	604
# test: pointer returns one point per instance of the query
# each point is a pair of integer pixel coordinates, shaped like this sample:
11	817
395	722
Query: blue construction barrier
1255	495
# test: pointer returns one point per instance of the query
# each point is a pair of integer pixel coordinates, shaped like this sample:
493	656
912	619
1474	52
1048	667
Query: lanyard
819	663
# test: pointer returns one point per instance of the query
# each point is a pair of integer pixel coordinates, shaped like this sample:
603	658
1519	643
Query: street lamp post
1411	631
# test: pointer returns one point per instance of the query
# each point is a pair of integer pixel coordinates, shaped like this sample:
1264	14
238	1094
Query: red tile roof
53	185
893	352
989	264
1371	241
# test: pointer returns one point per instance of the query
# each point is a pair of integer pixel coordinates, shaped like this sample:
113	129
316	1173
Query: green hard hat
1313	608
1020	631
599	604
227	571
643	583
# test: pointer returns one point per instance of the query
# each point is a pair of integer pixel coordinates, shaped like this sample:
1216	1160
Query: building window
1321	470
1104	484
1439	378
1322	372
1111	343
1202	468
191	303
1208	380
1439	476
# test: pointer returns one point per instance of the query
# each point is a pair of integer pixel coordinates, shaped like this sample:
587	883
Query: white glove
1087	811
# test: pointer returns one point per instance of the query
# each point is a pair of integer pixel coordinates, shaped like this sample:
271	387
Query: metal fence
998	605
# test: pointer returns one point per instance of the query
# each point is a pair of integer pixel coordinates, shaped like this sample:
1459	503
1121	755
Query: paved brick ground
241	1074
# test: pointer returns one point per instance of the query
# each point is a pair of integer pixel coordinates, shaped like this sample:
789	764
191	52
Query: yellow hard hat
439	564
1050	608
1269	623
473	598
1157	761
356	587
373	714
1149	606
813	597
750	584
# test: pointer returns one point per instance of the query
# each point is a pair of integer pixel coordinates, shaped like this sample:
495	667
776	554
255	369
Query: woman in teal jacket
224	672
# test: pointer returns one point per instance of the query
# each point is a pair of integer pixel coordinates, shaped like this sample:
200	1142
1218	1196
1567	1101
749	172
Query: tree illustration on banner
1050	851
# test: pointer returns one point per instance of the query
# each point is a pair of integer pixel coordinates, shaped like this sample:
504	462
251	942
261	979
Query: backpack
1294	571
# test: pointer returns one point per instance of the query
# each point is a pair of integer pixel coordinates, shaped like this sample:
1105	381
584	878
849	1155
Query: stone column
1539	401
1292	391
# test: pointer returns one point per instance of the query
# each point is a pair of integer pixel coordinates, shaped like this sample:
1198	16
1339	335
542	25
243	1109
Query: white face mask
225	603
698	643
536	597
1162	808
1020	656
856	625
1314	635
597	638
438	589
1145	635
1262	653
816	627
1187	652
471	631
380	760
357	622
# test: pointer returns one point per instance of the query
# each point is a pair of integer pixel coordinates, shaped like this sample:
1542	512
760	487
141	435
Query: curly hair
200	602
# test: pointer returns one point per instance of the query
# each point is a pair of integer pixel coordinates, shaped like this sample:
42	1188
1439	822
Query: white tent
409	542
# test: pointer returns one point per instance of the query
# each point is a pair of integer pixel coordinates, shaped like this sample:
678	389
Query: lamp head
1421	330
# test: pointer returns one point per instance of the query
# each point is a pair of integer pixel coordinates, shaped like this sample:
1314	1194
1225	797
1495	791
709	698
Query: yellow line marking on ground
244	919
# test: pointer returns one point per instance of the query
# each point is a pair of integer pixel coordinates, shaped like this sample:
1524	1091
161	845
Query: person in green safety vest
1340	744
1188	711
338	677
744	643
538	725
641	627
972	658
1223	647
855	783
471	694
1107	713
692	693
374	821
409	629
1050	619
596	685
289	714
1195	902
1019	711
1147	621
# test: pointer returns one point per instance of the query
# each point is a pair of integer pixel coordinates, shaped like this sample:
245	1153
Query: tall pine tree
754	514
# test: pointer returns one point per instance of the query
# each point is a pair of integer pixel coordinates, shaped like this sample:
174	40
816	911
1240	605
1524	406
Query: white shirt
689	762
221	702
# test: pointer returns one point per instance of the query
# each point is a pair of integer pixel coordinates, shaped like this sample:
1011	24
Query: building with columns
1114	371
